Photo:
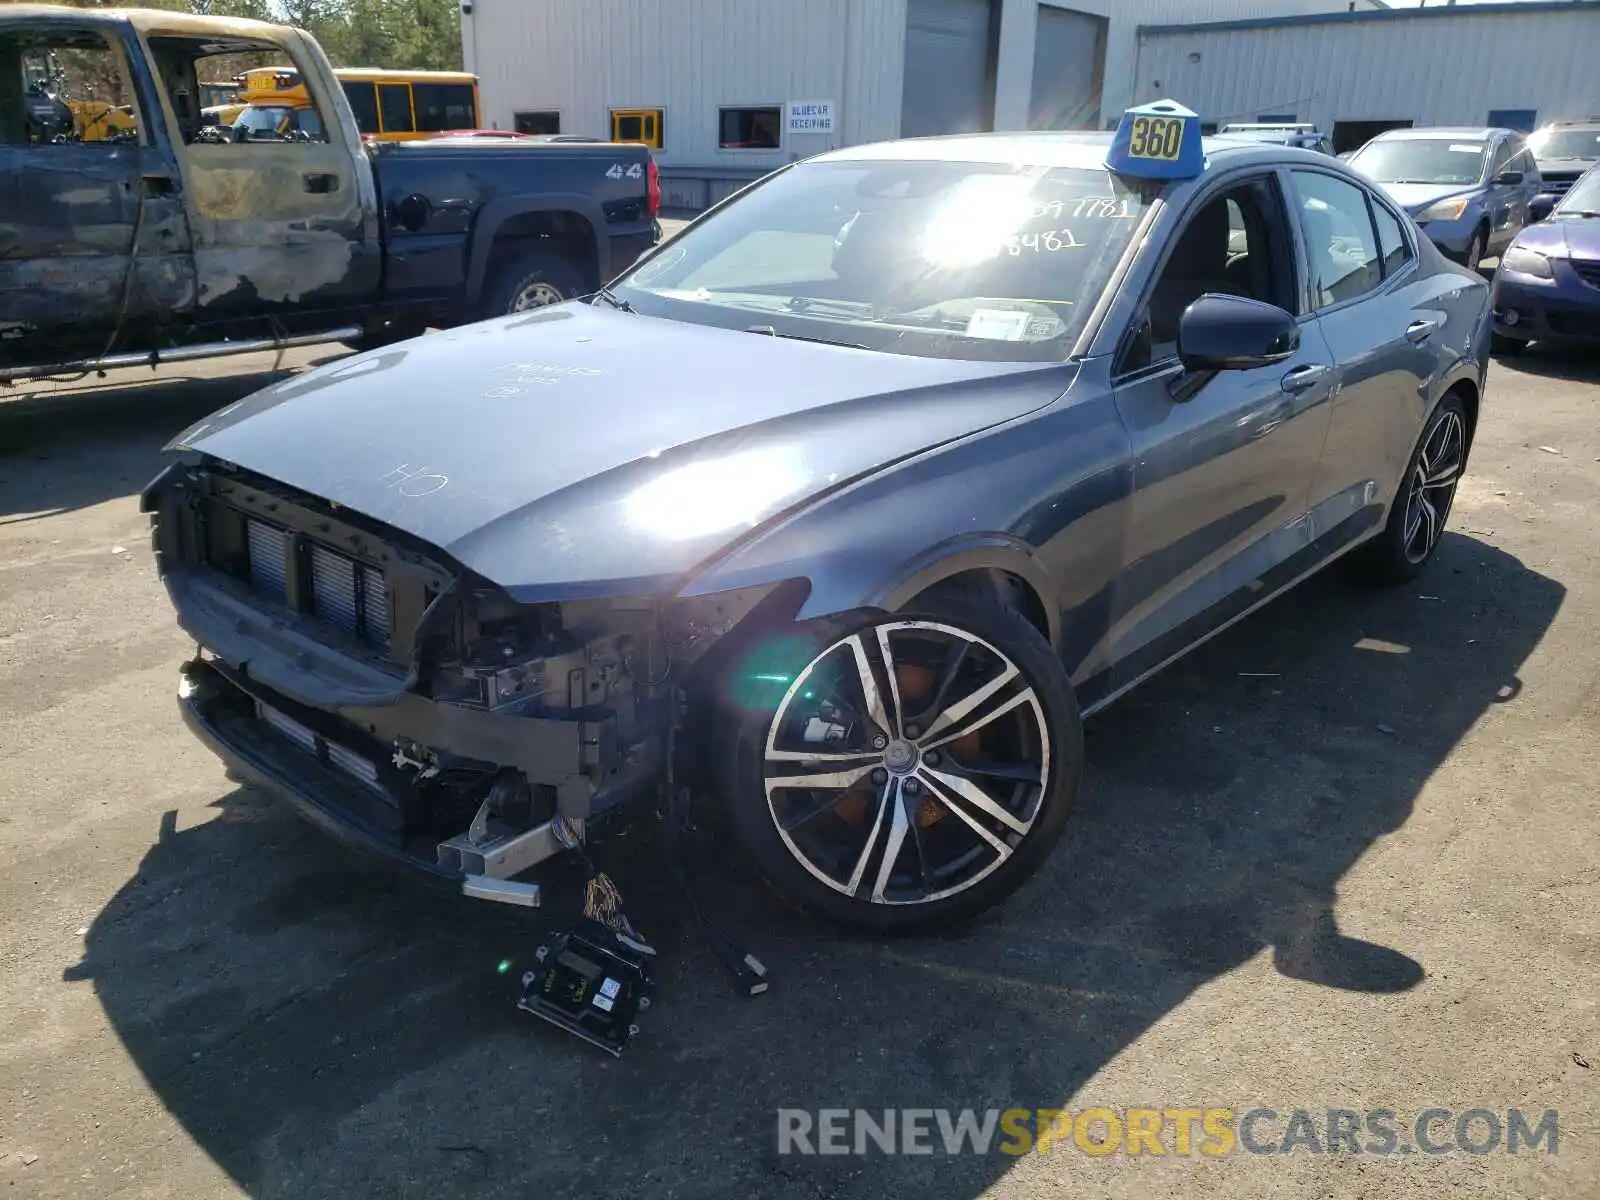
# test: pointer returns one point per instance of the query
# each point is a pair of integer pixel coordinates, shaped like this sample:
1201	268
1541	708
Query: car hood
1414	197
582	450
1558	238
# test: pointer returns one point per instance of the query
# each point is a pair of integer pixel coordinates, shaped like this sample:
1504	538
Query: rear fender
496	213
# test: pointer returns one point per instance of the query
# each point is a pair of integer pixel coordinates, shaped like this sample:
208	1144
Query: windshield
1422	160
936	259
1566	143
276	121
1582	198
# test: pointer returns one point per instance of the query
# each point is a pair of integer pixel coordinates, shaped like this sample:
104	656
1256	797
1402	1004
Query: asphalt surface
1346	855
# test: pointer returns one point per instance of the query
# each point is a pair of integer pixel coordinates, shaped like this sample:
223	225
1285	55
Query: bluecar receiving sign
1158	141
810	116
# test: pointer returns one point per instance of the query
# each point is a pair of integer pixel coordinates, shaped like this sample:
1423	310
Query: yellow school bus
390	106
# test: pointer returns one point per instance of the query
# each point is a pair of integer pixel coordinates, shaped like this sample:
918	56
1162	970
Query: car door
1508	194
93	236
281	225
1378	316
1222	465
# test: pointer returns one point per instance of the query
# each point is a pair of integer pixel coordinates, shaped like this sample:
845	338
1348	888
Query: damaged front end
406	705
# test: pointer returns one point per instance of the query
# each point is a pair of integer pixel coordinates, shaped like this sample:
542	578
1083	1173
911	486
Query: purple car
1548	286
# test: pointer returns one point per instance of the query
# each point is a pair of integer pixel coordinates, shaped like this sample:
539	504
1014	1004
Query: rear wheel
914	770
1417	516
528	281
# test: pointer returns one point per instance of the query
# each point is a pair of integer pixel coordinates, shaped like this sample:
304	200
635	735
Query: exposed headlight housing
1445	210
1522	261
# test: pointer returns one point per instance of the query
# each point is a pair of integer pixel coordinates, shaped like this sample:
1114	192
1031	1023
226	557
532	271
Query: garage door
1069	53
949	85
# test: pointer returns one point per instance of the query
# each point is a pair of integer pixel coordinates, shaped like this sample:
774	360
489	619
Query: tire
1509	347
532	280
1396	556
1475	250
946	871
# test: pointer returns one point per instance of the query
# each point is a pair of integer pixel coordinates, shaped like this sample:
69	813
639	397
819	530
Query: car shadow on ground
102	439
1554	362
322	1028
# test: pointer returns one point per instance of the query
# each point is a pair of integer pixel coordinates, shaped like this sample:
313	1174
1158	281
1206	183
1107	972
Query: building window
1523	120
639	125
750	128
543	122
1275	119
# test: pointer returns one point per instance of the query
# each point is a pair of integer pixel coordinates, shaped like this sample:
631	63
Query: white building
1355	74
728	89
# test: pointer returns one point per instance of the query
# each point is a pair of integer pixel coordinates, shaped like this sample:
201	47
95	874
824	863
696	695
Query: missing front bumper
340	788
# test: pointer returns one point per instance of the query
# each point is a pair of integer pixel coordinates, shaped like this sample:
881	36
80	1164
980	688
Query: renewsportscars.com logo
1210	1131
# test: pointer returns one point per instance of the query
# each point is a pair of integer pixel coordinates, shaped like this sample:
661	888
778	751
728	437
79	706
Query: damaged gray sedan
838	512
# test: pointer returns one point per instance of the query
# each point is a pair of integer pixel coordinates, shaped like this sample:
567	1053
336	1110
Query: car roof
1084	151
1440	133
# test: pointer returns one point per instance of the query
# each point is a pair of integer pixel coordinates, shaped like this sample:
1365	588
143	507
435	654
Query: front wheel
916	769
1475	250
1422	504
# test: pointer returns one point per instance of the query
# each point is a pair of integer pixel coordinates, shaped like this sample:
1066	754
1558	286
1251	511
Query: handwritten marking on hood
414	482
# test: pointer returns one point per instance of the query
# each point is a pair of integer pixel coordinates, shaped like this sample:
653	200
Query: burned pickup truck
162	240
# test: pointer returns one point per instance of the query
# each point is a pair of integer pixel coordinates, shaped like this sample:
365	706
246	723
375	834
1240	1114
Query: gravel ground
1344	856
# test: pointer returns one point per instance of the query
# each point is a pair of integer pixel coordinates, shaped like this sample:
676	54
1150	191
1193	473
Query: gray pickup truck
134	233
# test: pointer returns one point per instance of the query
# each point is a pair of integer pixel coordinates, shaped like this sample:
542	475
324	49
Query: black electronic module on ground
589	985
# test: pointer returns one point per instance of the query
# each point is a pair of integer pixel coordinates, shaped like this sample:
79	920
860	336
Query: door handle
158	185
1421	330
321	183
1303	378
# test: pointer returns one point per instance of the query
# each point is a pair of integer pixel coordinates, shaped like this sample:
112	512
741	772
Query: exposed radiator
348	595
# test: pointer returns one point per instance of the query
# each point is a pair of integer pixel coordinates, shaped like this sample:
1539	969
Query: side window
1237	243
394	105
1505	158
442	106
363	99
1340	245
64	87
279	107
1392	244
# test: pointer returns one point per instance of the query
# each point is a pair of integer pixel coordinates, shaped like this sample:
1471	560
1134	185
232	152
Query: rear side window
363	99
442	106
394	101
1392	243
1340	243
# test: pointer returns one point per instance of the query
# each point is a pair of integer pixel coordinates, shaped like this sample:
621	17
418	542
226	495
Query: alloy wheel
906	762
1433	485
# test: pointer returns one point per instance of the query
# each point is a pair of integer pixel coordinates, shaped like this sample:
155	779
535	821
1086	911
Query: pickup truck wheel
529	281
908	771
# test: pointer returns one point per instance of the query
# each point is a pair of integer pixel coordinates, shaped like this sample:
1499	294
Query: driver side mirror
1508	177
1541	207
1234	333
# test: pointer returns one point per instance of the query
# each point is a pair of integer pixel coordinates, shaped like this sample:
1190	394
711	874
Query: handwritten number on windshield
1048	242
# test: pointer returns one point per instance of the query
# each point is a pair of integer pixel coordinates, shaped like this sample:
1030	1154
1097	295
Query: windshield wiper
614	300
770	331
854	308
